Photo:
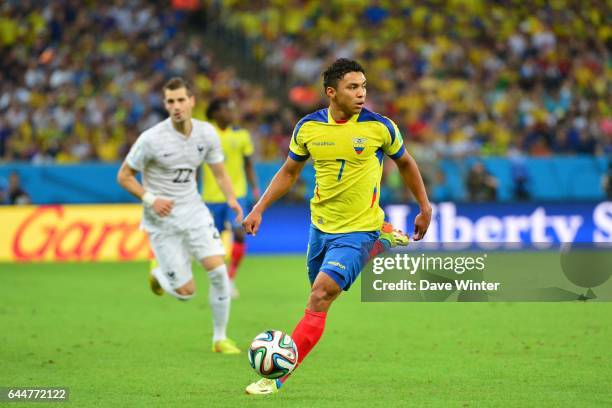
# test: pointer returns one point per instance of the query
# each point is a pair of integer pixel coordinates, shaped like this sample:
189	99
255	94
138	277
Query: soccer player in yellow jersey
237	149
346	143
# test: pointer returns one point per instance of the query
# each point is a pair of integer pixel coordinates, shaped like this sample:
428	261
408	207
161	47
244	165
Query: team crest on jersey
359	144
200	148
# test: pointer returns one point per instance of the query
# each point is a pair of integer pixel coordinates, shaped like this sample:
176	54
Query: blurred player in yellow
347	143
238	150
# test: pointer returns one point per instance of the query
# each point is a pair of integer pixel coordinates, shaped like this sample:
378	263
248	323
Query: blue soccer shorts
222	213
341	256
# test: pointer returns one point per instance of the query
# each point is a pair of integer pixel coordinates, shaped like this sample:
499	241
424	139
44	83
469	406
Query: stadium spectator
481	185
5	134
16	194
520	178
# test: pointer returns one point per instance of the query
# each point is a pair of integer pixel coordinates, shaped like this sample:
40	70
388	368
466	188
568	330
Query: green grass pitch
97	329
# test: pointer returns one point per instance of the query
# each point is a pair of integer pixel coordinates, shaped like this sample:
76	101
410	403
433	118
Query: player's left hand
421	223
252	222
234	205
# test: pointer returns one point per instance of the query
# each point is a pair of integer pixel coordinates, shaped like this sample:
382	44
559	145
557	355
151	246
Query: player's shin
219	297
307	334
238	251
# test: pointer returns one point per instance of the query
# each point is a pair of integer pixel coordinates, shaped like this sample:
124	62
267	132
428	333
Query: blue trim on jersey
298	157
318	116
399	153
379	155
369	116
341	168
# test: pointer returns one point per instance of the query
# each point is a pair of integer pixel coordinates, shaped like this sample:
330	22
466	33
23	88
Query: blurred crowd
484	77
461	78
80	81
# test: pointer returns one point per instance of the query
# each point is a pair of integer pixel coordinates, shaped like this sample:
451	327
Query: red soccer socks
307	333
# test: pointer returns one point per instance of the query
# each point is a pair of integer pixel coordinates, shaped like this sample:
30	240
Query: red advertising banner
72	233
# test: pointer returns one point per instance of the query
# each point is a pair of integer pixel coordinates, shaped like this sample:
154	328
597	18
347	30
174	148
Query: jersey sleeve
394	145
247	148
138	155
297	149
215	151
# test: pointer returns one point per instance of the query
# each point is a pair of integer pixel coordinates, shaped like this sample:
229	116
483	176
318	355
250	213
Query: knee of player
321	294
238	235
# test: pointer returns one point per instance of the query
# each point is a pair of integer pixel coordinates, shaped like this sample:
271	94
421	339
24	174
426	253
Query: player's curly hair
336	71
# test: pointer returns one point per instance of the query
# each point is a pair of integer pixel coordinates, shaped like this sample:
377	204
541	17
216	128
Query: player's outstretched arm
281	183
225	183
251	176
126	177
412	176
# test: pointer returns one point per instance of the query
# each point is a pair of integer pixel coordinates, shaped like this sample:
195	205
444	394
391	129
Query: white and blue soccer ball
273	354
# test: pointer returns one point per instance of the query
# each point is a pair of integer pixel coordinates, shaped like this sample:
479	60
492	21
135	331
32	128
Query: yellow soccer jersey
348	164
236	144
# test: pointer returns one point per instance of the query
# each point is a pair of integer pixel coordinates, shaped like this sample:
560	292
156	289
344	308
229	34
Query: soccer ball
273	354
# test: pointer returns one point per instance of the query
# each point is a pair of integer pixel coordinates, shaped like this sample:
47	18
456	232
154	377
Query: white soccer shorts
175	250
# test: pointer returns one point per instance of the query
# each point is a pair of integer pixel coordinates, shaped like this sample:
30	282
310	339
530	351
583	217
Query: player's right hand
252	222
421	223
162	206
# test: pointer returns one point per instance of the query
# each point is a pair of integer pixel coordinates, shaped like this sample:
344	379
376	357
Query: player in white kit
176	220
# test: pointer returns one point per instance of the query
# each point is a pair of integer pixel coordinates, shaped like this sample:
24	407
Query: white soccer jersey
168	162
